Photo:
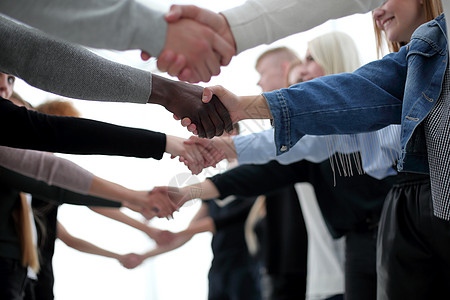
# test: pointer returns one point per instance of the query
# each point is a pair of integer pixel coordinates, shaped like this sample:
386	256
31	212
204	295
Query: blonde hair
284	53
58	108
23	222
17	98
335	52
257	212
432	8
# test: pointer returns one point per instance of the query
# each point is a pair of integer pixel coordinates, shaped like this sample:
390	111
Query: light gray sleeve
66	69
259	22
48	168
111	24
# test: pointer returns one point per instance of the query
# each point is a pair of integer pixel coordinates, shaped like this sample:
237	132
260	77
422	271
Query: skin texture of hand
185	101
196	156
161	237
173	195
177	64
158	204
195	46
239	107
218	147
131	260
179	196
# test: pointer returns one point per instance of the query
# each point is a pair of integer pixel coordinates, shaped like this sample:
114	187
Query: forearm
86	247
73	71
264	21
203	190
113	191
254	180
203	225
32	130
119	24
46	167
119	216
82	245
50	193
253	107
325	105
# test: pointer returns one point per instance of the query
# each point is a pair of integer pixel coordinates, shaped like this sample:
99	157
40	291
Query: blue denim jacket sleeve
366	100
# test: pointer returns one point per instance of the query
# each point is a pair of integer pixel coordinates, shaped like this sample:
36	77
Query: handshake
198	42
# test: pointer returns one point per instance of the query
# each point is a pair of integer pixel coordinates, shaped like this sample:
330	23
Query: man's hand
131	260
218	148
239	107
197	47
159	204
194	155
228	99
188	68
173	194
185	101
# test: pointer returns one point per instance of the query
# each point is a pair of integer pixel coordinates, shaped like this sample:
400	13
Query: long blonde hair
257	212
335	52
433	8
30	257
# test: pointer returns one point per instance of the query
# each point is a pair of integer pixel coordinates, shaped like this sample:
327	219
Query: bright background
181	274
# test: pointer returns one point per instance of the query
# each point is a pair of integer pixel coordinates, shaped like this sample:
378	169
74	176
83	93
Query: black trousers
287	286
13	277
360	264
413	248
235	283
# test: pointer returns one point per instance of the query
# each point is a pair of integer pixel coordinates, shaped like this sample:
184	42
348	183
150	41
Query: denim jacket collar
427	62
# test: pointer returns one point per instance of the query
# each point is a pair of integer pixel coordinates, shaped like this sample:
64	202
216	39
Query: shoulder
431	35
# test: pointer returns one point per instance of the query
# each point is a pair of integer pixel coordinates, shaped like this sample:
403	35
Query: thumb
207	95
177	12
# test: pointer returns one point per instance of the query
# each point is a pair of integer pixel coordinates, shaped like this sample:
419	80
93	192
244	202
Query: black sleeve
237	214
254	180
22	128
50	193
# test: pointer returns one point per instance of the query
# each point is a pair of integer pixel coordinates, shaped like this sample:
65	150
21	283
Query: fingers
216	119
145	55
170	62
224	49
207	124
177	12
221	110
207	94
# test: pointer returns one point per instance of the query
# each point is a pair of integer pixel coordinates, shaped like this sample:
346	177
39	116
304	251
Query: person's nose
377	13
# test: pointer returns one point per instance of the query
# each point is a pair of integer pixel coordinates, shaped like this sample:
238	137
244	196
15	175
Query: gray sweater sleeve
48	168
67	69
111	24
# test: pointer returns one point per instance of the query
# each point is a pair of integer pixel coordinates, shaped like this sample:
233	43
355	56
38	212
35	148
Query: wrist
253	107
226	32
161	90
171	144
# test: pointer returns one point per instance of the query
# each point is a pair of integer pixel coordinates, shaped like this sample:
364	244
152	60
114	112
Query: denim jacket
401	88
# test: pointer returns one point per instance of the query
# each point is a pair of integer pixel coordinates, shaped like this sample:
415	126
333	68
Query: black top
285	239
228	243
24	128
350	203
11	184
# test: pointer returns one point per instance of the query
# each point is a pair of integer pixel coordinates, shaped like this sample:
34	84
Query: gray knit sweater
67	69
